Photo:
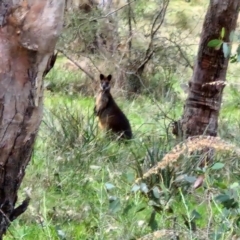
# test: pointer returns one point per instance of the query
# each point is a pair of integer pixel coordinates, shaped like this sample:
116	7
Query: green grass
69	170
81	182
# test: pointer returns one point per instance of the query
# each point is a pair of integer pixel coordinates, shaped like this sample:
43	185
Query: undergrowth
83	185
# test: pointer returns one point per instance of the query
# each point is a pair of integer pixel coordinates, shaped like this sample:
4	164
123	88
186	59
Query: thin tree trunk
28	34
203	104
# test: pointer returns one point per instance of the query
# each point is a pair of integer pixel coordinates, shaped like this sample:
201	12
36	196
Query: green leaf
215	43
234	185
218	235
222	198
238	53
127	209
109	186
222	33
156	192
233	58
153	224
220	185
144	187
130	177
141	208
196	215
238	58
227	201
135	188
218	47
114	204
217	166
226	50
190	179
231	36
61	234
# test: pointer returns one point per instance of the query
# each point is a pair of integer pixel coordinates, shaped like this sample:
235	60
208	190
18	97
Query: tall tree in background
28	34
203	104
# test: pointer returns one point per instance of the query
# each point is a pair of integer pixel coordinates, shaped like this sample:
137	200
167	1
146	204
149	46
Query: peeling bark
28	34
203	104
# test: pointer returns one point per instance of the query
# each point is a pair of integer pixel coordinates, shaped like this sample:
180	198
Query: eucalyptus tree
29	30
204	99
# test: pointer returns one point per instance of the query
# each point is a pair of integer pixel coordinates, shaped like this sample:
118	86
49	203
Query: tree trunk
28	34
203	104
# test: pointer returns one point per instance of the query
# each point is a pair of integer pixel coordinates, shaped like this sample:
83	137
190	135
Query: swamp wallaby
110	116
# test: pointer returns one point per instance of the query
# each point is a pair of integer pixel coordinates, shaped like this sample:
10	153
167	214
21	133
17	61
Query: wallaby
110	116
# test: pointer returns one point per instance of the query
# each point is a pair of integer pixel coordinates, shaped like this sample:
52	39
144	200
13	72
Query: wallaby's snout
105	85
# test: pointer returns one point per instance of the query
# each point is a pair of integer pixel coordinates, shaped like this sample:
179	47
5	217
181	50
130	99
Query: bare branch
146	59
91	60
162	15
110	13
149	51
128	3
181	52
73	61
130	29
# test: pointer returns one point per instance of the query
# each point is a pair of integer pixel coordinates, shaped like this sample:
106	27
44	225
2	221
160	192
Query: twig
88	56
73	61
149	51
146	59
130	29
181	52
108	14
128	3
162	15
156	103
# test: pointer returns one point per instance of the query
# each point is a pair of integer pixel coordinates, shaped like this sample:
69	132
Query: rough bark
28	34
203	104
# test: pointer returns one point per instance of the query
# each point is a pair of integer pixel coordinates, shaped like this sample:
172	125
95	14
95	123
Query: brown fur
110	116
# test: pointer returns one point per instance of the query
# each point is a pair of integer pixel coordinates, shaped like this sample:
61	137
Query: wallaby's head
105	82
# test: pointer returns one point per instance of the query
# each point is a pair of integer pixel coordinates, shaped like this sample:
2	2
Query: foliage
176	176
226	46
82	184
127	38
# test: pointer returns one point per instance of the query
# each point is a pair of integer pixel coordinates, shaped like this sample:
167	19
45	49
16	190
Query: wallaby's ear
101	77
109	77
